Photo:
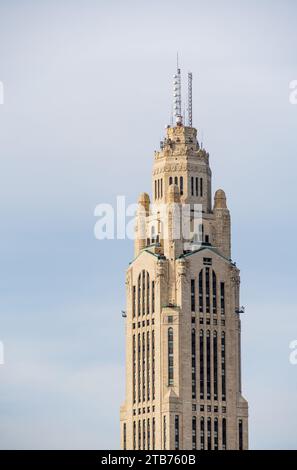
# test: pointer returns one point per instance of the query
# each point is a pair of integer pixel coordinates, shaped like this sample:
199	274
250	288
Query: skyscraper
183	353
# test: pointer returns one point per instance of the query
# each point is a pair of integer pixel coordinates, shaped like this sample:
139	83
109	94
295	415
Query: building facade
183	353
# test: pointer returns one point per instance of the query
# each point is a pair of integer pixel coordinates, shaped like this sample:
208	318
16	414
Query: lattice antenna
190	109
177	105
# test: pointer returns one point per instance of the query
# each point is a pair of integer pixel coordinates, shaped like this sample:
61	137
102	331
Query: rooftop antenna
177	95
190	111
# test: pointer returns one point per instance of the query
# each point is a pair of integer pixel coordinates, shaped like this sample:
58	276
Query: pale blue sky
87	96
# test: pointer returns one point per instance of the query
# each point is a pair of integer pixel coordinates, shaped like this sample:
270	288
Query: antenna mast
190	112
177	96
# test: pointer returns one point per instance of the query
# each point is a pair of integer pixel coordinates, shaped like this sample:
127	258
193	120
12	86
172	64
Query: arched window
240	435
176	180
207	296
208	434
200	286
222	298
153	296
194	433
193	363
215	365
181	185
214	292
193	295
201	354
155	189
170	180
192	186
161	183
201	187
208	364
134	301
223	365
196	186
202	446
147	293
170	356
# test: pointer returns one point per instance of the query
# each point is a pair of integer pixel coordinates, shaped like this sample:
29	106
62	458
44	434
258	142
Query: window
170	356
215	365
208	434
222	298
240	435
139	293
158	189
176	180
176	433
170	180
202	434
208	364
125	436
134	368
154	433
194	433
196	186
201	187
139	435
143	292
181	185
134	301
134	435
139	368
224	434
164	432
161	186
143	367
155	189
153	296
192	186
216	436
153	364
214	292
193	363
207	289
201	365
148	391
143	434
147	293
200	285
223	365
148	435
193	295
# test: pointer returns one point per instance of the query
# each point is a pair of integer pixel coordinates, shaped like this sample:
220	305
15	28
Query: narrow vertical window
181	185
192	186
194	433
139	435
193	364
201	187
208	434
196	187
222	298
155	189
201	350
143	367
214	292
139	367
134	368
148	365
170	180
176	432
138	294
147	293
153	364
176	180
164	433
193	295
240	435
143	292
202	447
215	365
161	187
143	435
216	435
224	434
153	296
134	435
208	364
148	429
207	299
200	285
170	356
223	365
125	436
154	434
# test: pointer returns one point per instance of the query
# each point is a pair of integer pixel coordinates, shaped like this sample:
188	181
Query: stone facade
183	374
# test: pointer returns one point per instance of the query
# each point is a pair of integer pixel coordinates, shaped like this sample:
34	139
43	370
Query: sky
87	95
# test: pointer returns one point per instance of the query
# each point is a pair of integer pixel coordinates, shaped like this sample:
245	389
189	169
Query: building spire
190	113
177	105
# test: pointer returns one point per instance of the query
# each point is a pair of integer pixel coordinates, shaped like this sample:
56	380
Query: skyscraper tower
183	353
